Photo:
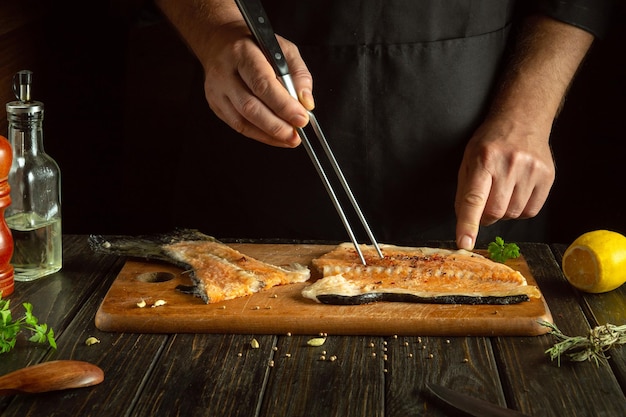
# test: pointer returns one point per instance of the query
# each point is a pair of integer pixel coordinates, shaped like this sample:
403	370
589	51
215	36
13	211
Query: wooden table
220	375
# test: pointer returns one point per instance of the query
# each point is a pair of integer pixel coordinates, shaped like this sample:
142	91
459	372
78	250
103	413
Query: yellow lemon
596	261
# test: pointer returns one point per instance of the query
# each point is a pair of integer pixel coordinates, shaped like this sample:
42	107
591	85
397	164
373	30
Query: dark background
117	83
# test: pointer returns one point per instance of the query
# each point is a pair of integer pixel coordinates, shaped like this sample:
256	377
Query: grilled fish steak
217	271
423	275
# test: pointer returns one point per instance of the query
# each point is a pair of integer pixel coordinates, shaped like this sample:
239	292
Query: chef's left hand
507	169
506	173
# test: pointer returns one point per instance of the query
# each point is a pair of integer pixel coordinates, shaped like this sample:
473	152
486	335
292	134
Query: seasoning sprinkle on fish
422	275
217	271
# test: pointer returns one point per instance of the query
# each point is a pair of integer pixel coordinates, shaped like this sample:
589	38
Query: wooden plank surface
524	366
339	378
465	364
57	298
212	374
207	375
600	309
67	301
282	309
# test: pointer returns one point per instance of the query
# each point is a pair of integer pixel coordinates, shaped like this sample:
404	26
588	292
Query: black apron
400	86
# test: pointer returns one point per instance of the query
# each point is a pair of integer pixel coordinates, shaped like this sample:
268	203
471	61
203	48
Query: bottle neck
26	136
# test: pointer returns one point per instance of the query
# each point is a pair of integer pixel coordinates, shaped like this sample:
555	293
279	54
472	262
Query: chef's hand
242	89
507	170
505	174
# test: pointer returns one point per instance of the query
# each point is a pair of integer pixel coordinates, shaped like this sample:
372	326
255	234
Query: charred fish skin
416	275
410	298
144	246
149	247
152	247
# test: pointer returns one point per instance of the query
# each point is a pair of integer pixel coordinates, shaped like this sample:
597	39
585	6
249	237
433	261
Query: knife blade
471	405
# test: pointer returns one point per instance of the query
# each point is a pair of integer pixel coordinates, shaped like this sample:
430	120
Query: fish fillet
217	271
426	275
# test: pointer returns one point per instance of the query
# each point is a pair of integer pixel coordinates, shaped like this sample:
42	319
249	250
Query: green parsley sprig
499	251
10	328
592	347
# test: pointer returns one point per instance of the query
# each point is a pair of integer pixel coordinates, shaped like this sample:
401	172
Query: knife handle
259	24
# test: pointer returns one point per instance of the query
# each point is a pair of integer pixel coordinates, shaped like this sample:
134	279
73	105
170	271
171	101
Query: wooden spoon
51	376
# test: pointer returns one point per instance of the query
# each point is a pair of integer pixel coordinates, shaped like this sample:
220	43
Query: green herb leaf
499	251
51	341
10	328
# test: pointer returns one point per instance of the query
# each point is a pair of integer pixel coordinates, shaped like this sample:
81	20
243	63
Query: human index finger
471	199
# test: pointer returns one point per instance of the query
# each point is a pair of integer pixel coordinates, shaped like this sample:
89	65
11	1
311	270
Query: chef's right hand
242	89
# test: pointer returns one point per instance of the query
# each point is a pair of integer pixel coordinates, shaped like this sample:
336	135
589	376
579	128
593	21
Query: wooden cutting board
283	310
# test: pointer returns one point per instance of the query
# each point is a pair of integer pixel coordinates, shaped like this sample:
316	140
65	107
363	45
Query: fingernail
293	141
466	243
299	121
306	98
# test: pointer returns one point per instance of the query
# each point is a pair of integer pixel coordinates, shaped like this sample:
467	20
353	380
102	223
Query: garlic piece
159	303
91	341
316	341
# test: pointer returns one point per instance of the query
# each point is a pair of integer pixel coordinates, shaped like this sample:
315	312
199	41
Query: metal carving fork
259	24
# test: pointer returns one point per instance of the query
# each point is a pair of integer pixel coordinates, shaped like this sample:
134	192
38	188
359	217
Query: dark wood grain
72	297
221	374
339	378
601	309
525	367
463	363
56	299
205	375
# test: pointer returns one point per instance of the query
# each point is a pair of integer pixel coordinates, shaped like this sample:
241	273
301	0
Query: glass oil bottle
34	215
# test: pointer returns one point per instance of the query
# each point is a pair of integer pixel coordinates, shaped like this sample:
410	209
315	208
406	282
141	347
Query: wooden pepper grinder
6	240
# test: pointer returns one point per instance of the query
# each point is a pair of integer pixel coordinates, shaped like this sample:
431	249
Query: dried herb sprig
592	347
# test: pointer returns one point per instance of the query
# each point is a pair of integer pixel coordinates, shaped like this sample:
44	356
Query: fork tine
329	189
259	25
342	179
287	81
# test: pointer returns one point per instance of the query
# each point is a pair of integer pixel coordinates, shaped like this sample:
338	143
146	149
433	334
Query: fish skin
426	275
145	246
409	298
217	271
